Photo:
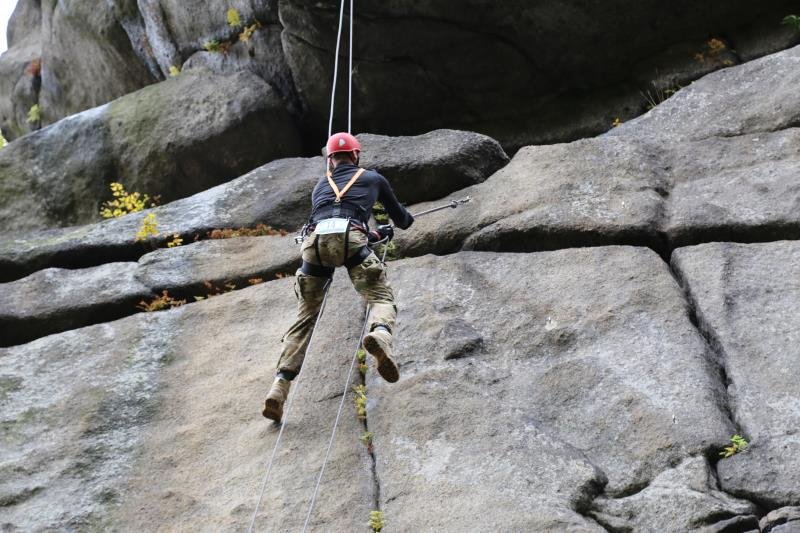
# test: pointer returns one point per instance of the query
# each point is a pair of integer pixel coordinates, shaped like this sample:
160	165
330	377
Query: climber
338	236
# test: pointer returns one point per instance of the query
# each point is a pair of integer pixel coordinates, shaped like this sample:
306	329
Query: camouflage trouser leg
310	291
369	279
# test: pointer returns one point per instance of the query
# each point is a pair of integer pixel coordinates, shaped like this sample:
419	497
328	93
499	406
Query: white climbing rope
341	402
336	422
285	419
336	70
327	286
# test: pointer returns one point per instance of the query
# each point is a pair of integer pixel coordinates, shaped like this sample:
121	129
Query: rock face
646	183
277	194
126	383
746	297
57	299
56	176
522	72
588	381
589	368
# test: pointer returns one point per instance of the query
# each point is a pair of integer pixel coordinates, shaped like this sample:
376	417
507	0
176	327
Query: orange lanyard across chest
350	183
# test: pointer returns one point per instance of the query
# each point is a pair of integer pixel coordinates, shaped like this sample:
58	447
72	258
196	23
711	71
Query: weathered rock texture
610	386
172	139
589	388
276	194
746	297
520	71
121	460
57	299
650	182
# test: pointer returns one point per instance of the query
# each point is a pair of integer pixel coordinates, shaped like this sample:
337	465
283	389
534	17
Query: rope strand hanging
327	286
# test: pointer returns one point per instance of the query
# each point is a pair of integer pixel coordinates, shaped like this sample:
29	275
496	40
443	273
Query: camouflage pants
369	279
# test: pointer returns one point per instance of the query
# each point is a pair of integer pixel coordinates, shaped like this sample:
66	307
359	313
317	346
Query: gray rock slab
746	299
741	188
624	190
754	97
185	268
277	194
783	517
683	498
60	175
565	359
56	299
154	421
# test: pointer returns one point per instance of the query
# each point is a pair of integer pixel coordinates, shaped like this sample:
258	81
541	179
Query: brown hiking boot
379	344
273	406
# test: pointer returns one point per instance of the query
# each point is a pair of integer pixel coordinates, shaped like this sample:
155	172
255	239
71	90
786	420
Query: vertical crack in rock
376	485
717	356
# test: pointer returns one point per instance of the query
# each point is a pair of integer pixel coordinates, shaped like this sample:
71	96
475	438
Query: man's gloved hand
387	230
381	233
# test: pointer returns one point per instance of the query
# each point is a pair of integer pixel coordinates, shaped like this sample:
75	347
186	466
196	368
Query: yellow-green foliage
793	21
234	19
124	202
212	46
34	114
362	361
380	214
376	521
366	438
361	401
738	443
174	71
164	301
176	241
249	31
3	141
149	228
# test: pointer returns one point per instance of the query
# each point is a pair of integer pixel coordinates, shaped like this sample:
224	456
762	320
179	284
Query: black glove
386	231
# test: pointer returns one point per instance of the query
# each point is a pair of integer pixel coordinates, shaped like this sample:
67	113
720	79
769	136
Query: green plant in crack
738	443
376	521
362	361
361	401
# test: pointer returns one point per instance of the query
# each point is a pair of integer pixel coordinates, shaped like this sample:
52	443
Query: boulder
57	299
746	297
277	194
155	419
87	59
524	73
59	175
599	364
627	189
186	269
20	69
684	498
763	90
780	520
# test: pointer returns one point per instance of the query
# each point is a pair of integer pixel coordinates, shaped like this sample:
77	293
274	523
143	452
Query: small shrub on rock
738	443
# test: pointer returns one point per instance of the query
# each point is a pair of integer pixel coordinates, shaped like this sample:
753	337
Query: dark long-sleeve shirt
369	188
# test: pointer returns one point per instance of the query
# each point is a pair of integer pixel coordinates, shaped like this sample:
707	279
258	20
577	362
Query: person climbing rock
339	236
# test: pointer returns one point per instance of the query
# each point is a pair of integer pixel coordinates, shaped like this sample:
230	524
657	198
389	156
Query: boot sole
272	410
386	366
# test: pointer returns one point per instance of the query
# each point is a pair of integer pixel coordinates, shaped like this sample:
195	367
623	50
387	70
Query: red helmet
343	142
